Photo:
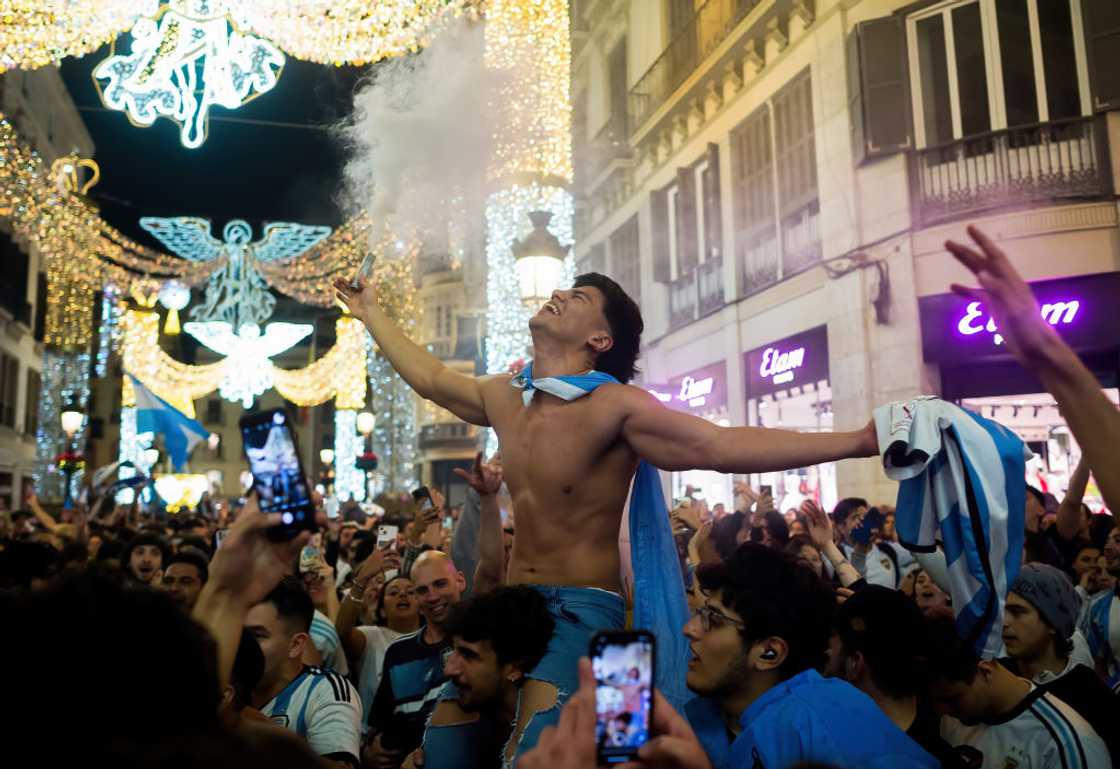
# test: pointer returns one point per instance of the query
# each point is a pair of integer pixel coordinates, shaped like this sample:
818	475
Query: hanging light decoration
174	296
539	261
35	33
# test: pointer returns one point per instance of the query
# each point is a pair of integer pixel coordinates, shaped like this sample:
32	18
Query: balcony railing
709	284
759	257
709	27
765	260
447	434
682	300
610	144
1065	159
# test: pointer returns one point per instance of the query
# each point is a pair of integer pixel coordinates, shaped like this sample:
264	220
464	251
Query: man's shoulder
407	648
327	686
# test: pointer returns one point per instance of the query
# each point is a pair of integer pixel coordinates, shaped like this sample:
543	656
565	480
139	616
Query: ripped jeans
578	613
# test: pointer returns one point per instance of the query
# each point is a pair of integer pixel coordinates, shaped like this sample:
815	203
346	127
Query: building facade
39	106
774	181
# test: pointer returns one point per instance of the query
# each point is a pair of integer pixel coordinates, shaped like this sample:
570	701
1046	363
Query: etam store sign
700	392
791	362
1085	311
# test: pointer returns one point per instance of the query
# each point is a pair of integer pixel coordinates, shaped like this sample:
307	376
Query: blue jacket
807	718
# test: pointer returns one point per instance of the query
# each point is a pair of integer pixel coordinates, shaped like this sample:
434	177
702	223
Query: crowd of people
816	637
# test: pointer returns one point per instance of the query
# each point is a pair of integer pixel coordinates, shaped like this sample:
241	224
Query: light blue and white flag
660	605
155	415
963	481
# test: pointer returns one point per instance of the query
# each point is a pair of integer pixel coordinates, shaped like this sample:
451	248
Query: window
987	65
214	411
619	92
774	175
31	402
626	258
9	390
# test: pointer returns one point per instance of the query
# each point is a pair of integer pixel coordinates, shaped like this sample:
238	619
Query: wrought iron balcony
709	285
1061	160
708	28
696	294
682	300
611	143
447	435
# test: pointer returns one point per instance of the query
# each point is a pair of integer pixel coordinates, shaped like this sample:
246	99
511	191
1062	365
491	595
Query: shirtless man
569	463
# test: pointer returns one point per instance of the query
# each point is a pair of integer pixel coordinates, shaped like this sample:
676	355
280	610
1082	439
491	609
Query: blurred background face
809	556
400	602
1085	561
316	586
438	588
1111	552
927	594
1100	579
145	561
183	583
1025	635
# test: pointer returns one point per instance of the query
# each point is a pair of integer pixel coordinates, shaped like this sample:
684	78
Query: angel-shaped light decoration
236	293
237	301
249	372
187	55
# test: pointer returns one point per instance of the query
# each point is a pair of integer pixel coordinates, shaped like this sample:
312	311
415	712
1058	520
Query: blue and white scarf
659	600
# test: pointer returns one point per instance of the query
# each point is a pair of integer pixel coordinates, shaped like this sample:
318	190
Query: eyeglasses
713	618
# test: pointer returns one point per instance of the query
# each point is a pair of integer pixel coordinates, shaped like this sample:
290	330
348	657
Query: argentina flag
155	415
963	481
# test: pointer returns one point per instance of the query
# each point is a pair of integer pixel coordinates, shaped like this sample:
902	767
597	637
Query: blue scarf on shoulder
659	600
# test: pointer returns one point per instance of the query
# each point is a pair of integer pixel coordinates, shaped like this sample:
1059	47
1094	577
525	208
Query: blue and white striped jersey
962	480
1101	627
324	708
326	640
1041	732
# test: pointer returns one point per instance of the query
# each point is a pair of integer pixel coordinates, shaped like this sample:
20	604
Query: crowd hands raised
816	638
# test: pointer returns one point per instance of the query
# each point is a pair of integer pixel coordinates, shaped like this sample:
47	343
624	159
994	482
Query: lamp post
539	260
367	462
72	419
326	458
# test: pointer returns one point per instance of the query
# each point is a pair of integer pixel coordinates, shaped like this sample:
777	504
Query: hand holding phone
386	536
623	666
278	477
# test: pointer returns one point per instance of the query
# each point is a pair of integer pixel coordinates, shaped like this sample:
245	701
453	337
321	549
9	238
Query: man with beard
413	672
496	638
143	559
185	576
757	644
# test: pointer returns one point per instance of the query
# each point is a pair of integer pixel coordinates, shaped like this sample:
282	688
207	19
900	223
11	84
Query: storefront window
788	388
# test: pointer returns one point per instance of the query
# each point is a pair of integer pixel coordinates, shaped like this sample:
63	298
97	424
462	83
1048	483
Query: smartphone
623	662
766	490
330	505
219	535
448	522
386	536
424	497
278	477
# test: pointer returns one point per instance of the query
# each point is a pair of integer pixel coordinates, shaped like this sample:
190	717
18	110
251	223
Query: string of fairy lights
85	257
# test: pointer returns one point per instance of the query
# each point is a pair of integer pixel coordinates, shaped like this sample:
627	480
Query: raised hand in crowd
486	479
1092	418
819	528
686	514
571	743
244	570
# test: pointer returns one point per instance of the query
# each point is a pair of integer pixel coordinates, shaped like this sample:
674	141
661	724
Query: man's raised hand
817	524
359	298
1005	294
485	478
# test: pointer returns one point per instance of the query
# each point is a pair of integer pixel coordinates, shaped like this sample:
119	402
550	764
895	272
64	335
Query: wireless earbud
769	654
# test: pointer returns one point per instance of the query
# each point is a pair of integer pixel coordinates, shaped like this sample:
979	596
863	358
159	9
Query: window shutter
878	88
687	241
713	214
659	213
1102	38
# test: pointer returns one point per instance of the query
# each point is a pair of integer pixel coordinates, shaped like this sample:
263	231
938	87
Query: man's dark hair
248	667
22	561
888	629
1037	494
73	554
192	557
198	543
626	325
724	533
110	550
145	538
775	596
778	528
513	618
845	507
949	657
293	604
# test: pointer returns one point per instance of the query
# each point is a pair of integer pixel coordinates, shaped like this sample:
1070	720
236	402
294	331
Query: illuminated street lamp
326	456
366	422
70	461
72	419
539	261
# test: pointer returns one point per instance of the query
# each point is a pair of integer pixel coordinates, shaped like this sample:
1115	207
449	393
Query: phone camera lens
288	518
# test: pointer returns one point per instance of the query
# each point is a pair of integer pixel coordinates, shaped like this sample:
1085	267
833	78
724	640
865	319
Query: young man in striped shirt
997	720
319	705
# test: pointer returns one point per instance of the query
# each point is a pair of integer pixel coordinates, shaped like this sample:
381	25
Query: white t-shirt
377	641
322	707
1041	733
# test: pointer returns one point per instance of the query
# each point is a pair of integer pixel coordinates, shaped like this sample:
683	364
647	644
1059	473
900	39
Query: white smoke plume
421	135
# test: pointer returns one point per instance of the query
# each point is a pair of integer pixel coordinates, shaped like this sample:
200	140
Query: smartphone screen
277	473
219	535
623	664
386	536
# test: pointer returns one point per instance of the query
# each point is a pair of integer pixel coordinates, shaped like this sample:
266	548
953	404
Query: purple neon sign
1058	313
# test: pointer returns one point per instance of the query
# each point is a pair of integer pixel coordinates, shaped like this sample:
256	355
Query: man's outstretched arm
671	440
425	373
